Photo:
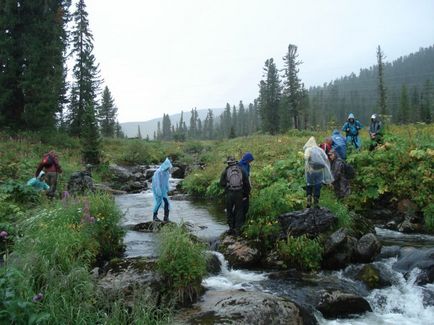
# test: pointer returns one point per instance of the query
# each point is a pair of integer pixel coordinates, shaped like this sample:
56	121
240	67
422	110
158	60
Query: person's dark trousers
234	210
51	178
246	203
314	189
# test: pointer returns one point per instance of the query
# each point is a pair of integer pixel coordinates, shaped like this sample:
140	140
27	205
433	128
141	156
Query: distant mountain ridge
147	128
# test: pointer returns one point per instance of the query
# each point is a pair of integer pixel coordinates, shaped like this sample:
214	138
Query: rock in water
368	247
80	183
337	304
311	222
238	252
339	250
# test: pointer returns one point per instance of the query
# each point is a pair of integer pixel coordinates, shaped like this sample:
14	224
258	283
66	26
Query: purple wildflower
4	234
38	297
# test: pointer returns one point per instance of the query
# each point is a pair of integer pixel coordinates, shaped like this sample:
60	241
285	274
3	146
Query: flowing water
401	303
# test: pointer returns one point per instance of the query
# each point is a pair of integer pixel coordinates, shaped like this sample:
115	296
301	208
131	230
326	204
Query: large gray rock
368	247
239	252
80	183
339	250
245	308
119	174
422	259
311	222
371	276
337	304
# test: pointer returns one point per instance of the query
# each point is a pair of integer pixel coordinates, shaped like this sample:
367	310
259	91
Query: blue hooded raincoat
339	144
160	184
244	162
352	131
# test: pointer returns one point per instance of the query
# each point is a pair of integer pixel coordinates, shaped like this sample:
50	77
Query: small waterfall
232	279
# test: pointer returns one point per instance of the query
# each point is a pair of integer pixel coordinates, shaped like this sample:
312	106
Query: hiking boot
166	216
155	218
316	202
309	201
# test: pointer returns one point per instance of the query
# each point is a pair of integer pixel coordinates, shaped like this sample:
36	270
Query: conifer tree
382	96
427	102
118	131
292	87
139	133
87	81
107	112
90	138
404	107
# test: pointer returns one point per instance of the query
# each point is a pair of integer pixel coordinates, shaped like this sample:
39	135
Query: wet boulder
239	252
371	276
410	225
213	264
339	250
337	304
119	174
150	226
422	259
311	222
178	171
245	308
80	183
368	247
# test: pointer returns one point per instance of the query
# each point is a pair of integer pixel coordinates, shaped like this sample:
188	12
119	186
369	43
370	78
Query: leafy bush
19	193
428	213
264	230
301	252
137	152
182	263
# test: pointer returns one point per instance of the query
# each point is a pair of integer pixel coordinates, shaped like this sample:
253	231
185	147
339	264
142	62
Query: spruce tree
139	133
427	102
107	112
404	107
90	138
382	96
292	87
85	86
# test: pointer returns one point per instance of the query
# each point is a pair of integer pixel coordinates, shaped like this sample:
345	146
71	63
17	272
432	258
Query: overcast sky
165	56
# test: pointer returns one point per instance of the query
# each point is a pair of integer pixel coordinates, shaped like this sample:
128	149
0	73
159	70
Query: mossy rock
371	277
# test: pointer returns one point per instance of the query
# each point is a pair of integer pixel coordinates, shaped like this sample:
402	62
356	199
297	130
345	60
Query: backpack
234	178
48	160
349	171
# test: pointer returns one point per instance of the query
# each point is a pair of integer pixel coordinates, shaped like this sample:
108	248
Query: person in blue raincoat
38	183
244	163
160	189
339	144
351	128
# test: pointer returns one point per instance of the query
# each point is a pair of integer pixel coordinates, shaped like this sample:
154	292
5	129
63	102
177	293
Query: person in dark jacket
236	183
375	132
50	165
326	145
245	165
341	184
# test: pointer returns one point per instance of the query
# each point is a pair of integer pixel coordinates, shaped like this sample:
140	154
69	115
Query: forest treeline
401	91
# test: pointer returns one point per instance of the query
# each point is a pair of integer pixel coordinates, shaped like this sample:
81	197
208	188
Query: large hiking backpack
349	171
234	178
48	160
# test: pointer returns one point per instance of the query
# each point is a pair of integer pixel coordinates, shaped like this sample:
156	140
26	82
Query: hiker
339	144
326	145
341	184
317	171
38	183
160	189
51	167
375	132
351	128
245	165
237	186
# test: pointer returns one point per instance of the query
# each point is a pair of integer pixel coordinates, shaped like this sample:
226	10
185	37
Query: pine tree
87	81
193	132
118	131
90	138
269	98
382	96
404	107
139	133
33	42
107	112
427	102
167	127
292	88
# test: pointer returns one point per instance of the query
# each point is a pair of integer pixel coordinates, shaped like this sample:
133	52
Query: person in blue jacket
38	183
351	128
244	163
339	144
160	189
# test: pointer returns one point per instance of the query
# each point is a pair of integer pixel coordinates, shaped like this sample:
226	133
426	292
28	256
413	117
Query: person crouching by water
341	184
160	189
317	171
236	183
38	183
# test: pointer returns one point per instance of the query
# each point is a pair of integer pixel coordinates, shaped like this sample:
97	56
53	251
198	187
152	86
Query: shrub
264	229
301	252
137	152
428	213
19	193
182	263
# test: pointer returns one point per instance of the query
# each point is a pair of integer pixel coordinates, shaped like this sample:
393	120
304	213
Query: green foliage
182	262
301	252
19	193
428	213
264	230
338	208
137	152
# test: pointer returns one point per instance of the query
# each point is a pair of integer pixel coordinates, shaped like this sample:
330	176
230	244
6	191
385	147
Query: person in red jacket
50	165
326	145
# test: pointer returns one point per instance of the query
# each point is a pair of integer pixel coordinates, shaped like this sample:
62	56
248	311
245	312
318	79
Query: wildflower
4	235
38	297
